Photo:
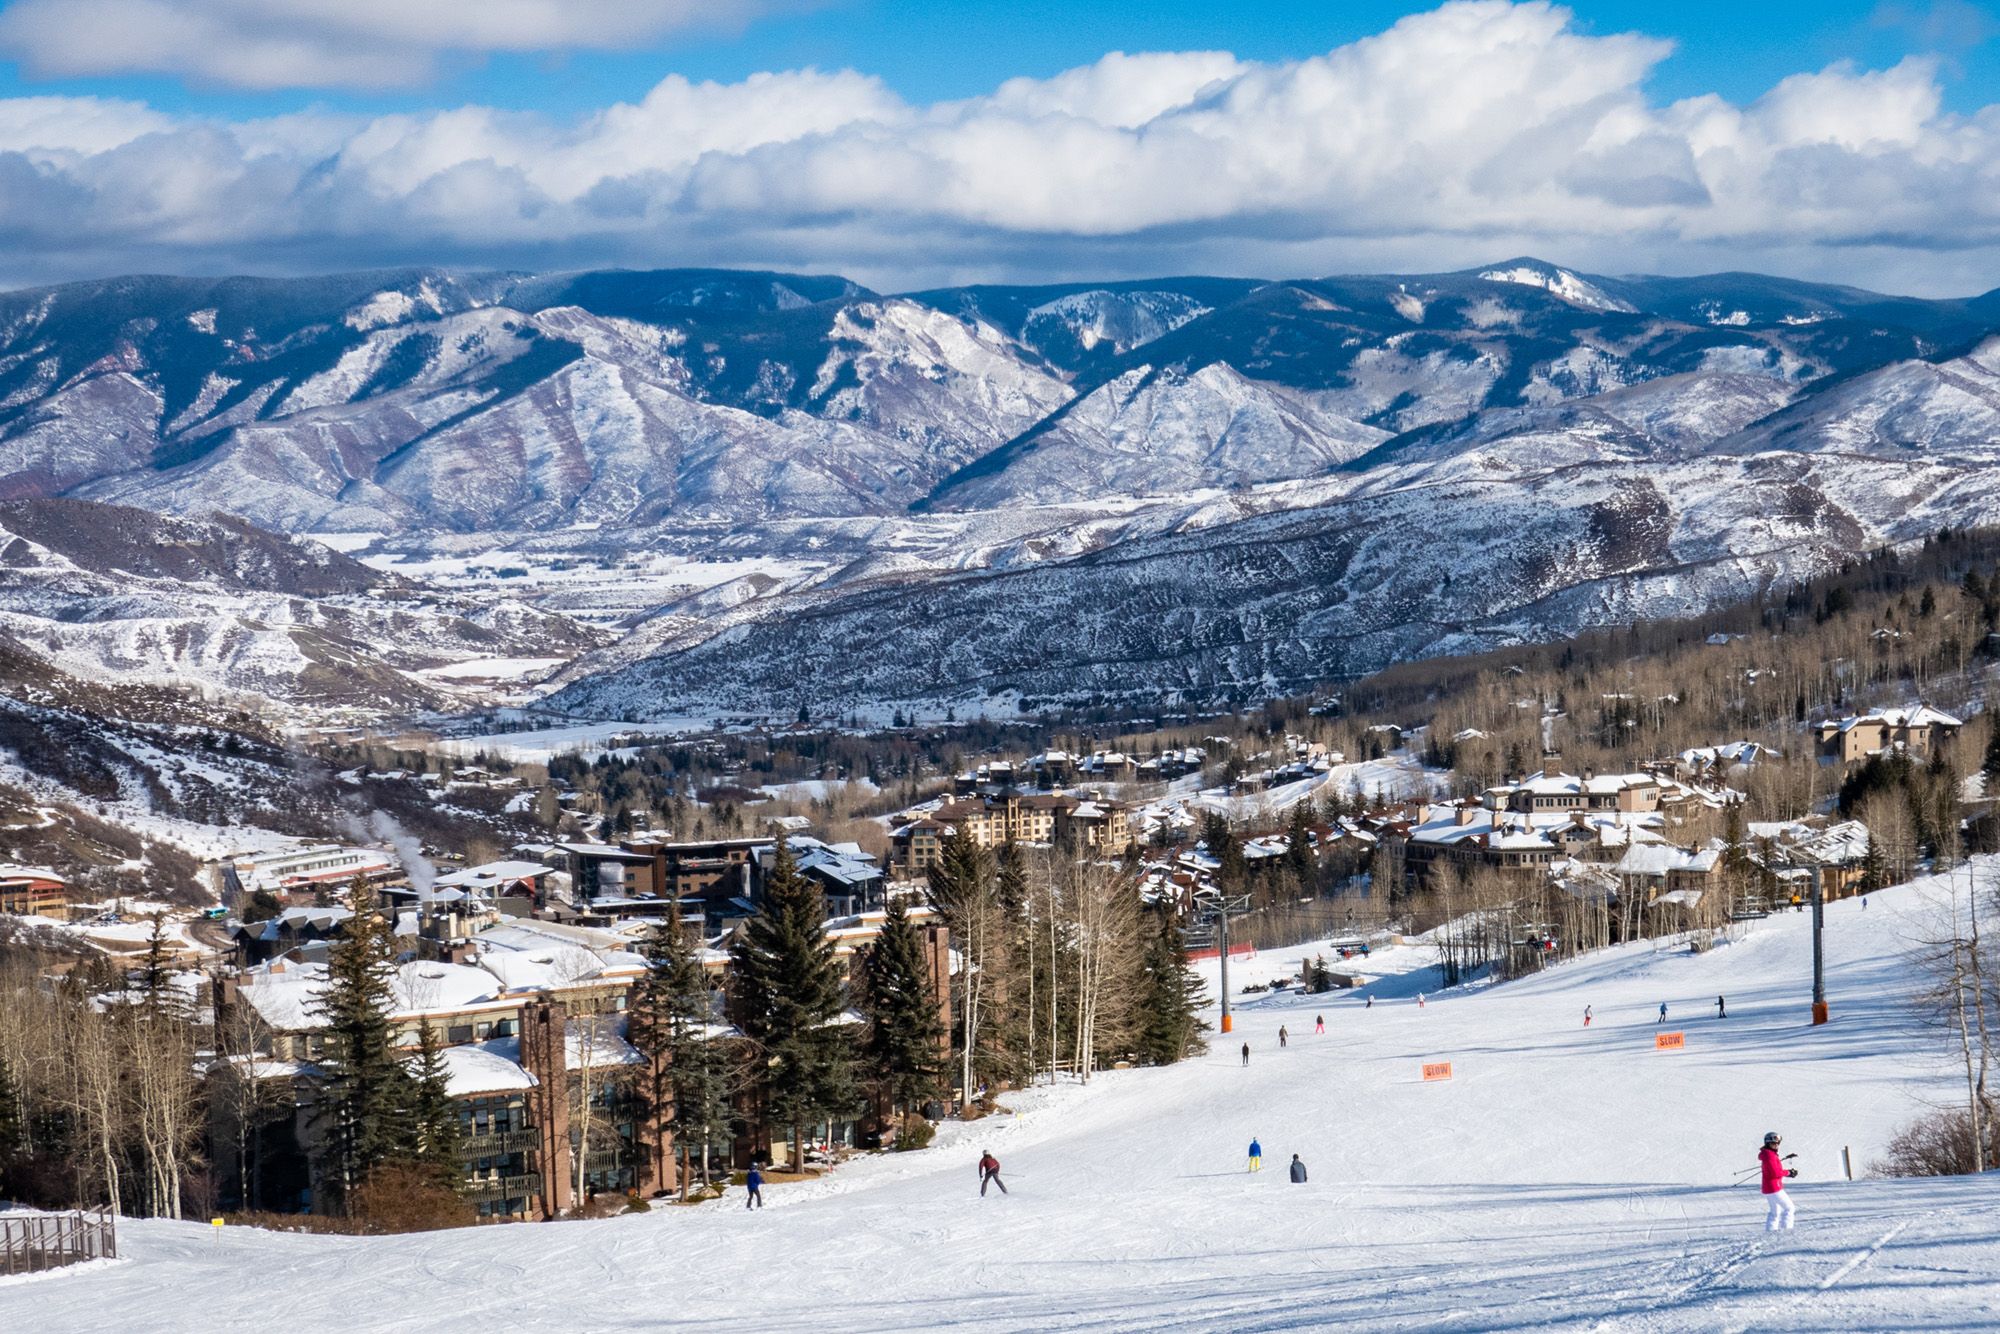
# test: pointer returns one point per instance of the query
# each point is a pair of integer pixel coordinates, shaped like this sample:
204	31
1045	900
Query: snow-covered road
1563	1178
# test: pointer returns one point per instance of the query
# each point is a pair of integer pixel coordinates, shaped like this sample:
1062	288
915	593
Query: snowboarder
1246	1053
1282	1035
1721	1008
1256	1156
989	1172
1370	998
1663	1013
1298	1170
1775	1174
1319	1023
755	1181
1586	1016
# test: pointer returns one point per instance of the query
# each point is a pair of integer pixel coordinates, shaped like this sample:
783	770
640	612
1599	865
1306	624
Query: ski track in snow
1565	1179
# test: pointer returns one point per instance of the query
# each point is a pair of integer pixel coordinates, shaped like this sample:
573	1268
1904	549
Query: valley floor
1565	1178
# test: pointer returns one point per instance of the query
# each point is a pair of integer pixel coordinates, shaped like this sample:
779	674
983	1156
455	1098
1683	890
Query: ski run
1563	1177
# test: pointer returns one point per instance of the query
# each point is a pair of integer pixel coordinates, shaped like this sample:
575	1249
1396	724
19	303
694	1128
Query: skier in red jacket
989	1171
1775	1174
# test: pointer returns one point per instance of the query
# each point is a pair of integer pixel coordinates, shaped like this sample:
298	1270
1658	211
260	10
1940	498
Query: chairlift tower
1214	911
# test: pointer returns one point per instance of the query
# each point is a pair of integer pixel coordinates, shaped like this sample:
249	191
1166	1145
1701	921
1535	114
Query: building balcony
497	1143
502	1188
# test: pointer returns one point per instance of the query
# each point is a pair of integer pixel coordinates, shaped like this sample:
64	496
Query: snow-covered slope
1564	1178
119	596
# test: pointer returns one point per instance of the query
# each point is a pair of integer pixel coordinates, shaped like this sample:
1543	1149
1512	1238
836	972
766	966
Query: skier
1246	1053
1775	1174
989	1171
1298	1171
1663	1013
1721	1008
1256	1156
1370	998
1282	1035
1319	1023
755	1181
1420	1000
1586	1016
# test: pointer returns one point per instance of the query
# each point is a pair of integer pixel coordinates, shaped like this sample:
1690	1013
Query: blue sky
906	144
961	48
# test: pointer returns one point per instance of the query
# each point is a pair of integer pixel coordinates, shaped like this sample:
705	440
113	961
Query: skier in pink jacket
1775	1175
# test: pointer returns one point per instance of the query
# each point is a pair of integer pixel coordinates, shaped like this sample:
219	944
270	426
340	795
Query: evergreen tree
903	1054
158	999
669	1018
366	1095
1874	875
436	1138
789	1001
1990	764
1170	996
1299	849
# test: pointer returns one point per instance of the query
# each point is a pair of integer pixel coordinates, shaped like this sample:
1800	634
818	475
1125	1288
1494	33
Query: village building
1918	731
33	891
1089	822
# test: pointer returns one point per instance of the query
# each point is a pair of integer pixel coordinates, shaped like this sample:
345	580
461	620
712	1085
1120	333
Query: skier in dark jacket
1298	1170
1246	1053
1721	1008
989	1171
1281	1035
755	1181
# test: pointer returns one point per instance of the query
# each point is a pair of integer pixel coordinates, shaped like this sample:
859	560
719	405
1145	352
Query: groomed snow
1564	1178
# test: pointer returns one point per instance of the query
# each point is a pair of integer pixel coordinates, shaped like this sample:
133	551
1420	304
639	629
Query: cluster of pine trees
1060	968
385	1114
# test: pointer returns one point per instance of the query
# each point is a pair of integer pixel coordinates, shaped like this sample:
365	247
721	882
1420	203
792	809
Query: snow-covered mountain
123	597
1197	485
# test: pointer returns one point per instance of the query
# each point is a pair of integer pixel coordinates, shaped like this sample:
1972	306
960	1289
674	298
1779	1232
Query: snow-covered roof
598	1041
9	871
491	873
486	1067
1657	859
1922	715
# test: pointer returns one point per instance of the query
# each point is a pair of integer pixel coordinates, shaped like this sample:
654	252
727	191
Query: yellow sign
1437	1070
1669	1041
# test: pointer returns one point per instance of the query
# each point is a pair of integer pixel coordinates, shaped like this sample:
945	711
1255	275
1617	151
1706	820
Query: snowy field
1564	1179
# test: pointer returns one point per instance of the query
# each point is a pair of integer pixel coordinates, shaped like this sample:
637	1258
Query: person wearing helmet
1775	1175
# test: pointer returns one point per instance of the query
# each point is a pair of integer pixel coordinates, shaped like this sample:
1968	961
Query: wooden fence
30	1243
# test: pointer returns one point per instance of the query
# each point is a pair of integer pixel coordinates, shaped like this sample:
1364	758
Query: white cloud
1472	132
327	43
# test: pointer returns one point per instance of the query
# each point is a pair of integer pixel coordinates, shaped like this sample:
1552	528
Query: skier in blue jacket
755	1181
1256	1156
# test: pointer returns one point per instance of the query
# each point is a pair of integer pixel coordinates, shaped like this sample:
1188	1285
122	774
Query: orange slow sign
1437	1070
1669	1041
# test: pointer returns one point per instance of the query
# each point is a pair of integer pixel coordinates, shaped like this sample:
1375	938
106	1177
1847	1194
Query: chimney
1466	814
1550	769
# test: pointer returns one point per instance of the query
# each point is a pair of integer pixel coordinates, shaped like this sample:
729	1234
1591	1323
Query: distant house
1918	731
1555	791
32	891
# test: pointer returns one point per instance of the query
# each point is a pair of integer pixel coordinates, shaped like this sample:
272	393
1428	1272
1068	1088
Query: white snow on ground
494	669
820	789
1565	1178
